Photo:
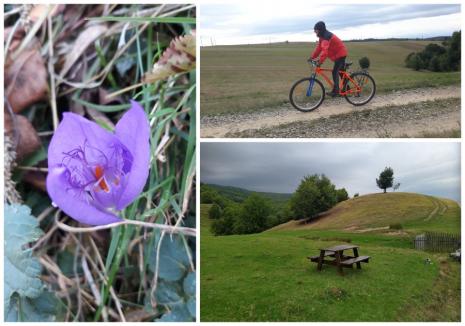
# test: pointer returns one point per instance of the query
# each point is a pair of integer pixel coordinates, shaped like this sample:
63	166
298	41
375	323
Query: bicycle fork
310	85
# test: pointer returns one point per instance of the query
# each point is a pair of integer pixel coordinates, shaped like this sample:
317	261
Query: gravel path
411	120
237	124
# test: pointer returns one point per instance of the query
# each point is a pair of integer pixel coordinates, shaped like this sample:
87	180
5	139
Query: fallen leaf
29	141
23	135
86	38
178	57
21	131
26	76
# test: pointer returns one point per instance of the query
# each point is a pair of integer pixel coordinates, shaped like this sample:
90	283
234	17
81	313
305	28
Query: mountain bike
307	94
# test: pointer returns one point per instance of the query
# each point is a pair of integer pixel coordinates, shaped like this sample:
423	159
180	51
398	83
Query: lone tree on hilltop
386	179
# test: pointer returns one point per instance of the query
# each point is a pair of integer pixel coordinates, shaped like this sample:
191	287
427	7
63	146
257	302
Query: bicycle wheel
367	88
307	94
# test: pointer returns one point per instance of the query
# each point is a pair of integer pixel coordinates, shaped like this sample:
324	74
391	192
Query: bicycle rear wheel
307	94
367	88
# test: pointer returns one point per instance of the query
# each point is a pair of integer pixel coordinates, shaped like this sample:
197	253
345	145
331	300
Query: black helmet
320	26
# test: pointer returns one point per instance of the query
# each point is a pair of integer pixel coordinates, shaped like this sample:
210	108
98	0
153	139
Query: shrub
342	195
225	224
254	215
356	195
437	58
364	63
214	212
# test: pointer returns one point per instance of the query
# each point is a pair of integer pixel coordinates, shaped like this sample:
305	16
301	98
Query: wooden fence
437	242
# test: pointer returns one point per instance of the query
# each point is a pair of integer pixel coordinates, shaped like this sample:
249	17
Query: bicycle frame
344	76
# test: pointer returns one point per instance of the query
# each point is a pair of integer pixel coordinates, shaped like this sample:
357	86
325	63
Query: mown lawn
267	277
250	77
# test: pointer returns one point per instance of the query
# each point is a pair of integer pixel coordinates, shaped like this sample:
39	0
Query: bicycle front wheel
307	94
361	89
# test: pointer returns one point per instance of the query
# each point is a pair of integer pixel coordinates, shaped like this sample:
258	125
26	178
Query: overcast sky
253	22
422	167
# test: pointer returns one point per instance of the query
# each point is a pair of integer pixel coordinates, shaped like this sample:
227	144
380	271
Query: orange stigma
99	174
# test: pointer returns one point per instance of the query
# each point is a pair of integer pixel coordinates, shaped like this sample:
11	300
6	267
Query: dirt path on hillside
434	211
222	125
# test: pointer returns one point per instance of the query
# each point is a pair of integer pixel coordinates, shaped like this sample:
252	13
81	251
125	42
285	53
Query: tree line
435	57
256	213
314	195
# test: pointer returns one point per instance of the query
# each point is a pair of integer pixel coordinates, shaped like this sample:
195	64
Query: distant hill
240	194
378	211
432	39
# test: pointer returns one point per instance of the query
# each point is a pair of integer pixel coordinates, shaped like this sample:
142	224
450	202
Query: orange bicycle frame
344	76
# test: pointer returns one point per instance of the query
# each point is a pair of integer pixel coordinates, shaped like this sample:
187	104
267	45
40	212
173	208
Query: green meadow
267	276
240	78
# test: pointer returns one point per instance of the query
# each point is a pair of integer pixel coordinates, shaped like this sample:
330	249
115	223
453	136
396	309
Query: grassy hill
249	77
240	194
415	212
267	277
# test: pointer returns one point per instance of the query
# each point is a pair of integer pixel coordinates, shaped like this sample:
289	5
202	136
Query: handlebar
314	63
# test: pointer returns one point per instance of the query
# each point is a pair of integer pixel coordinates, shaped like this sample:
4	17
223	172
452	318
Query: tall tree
314	195
225	224
386	179
254	216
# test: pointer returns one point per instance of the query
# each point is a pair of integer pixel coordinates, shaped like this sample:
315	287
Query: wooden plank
360	259
326	254
340	247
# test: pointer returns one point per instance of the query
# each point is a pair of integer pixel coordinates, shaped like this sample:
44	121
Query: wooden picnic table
339	259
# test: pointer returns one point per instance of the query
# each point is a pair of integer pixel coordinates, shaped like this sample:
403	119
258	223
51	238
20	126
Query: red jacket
330	46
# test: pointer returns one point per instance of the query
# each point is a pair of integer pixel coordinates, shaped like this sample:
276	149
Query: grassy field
249	77
267	277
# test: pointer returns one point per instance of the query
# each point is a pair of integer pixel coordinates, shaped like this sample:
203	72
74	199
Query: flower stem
114	269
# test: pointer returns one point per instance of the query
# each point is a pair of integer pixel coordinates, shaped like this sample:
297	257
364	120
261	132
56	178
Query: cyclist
329	45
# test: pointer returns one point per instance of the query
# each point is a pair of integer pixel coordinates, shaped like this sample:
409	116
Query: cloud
429	168
254	23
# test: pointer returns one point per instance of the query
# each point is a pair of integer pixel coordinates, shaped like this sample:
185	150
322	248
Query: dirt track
224	125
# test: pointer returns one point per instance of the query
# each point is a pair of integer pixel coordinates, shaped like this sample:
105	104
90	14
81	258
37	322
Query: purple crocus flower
92	172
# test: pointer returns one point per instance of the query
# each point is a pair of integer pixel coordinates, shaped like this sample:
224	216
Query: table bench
339	259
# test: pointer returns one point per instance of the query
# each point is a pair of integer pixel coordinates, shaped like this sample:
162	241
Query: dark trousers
338	65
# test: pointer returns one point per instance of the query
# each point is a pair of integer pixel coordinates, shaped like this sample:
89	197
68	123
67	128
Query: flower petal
133	131
74	204
73	132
